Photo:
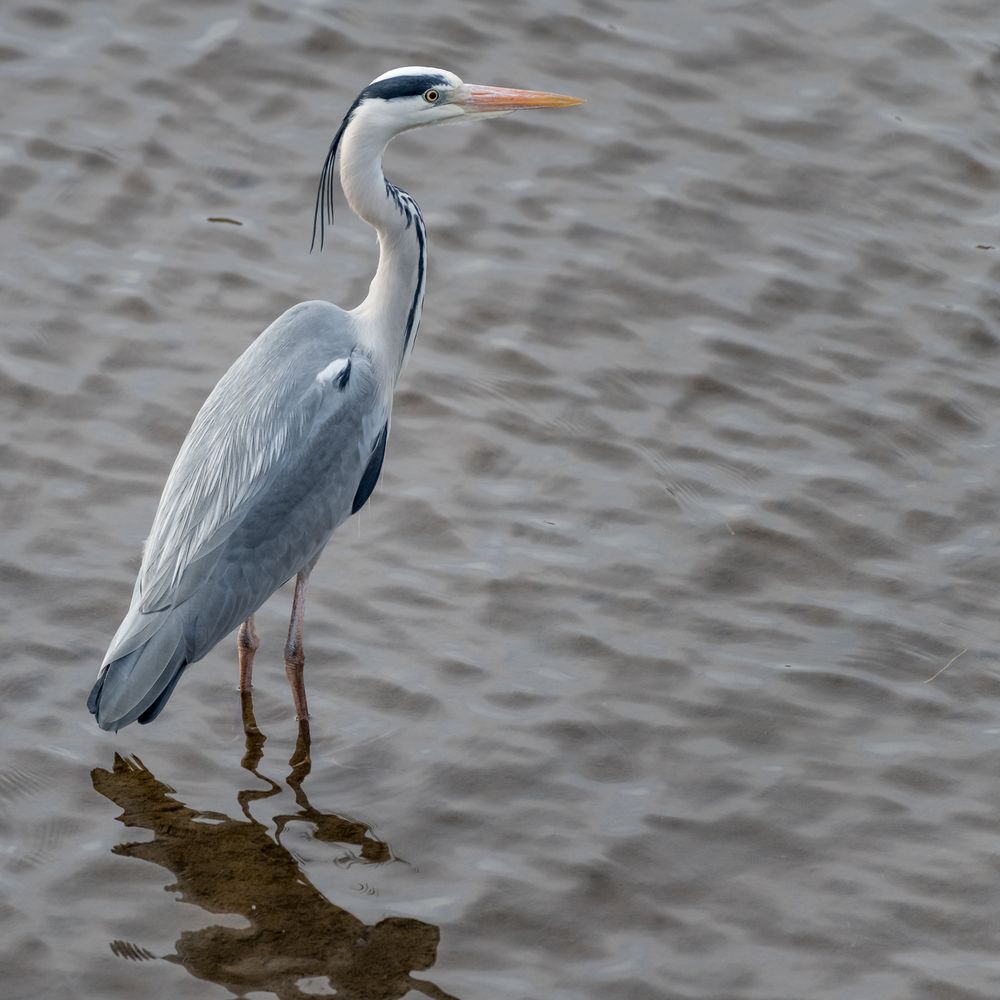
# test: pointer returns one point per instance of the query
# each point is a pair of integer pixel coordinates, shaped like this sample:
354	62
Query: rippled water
663	664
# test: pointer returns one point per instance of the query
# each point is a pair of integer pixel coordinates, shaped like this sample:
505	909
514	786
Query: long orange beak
498	100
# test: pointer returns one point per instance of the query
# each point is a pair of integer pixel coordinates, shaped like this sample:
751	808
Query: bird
291	441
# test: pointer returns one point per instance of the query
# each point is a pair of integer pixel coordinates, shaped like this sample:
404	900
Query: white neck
389	315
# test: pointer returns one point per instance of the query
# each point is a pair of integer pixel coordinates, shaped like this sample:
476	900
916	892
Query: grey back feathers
266	423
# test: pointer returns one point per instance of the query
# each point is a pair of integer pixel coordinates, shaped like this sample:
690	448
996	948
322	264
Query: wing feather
262	422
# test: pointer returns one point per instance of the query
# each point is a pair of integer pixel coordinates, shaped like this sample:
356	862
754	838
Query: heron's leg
255	739
247	643
300	761
295	657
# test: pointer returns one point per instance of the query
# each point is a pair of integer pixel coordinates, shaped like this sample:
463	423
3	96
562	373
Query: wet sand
629	681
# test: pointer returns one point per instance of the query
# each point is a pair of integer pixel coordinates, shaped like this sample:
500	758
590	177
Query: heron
290	442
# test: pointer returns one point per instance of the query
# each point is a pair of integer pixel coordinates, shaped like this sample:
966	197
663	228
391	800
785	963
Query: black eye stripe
404	86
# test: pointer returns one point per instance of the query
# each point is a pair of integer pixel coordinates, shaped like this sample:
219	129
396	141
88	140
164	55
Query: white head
413	97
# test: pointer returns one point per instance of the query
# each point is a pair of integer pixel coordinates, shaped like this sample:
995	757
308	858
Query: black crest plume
323	212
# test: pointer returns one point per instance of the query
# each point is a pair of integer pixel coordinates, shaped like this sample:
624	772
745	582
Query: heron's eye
430	96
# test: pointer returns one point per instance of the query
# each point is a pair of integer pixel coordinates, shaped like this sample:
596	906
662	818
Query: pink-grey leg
247	644
295	657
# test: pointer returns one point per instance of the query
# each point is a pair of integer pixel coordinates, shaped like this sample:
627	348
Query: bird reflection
227	865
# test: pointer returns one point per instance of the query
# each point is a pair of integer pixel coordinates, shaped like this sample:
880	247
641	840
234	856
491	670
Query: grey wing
272	464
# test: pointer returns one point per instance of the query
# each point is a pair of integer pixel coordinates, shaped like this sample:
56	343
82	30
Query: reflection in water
227	865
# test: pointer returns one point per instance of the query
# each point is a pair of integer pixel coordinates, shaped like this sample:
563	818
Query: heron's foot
250	727
301	757
254	738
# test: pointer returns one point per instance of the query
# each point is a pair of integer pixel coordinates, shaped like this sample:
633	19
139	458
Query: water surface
629	681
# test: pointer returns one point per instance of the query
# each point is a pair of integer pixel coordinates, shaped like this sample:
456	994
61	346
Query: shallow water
663	663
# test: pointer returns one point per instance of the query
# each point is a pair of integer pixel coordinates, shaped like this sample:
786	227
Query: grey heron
290	442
